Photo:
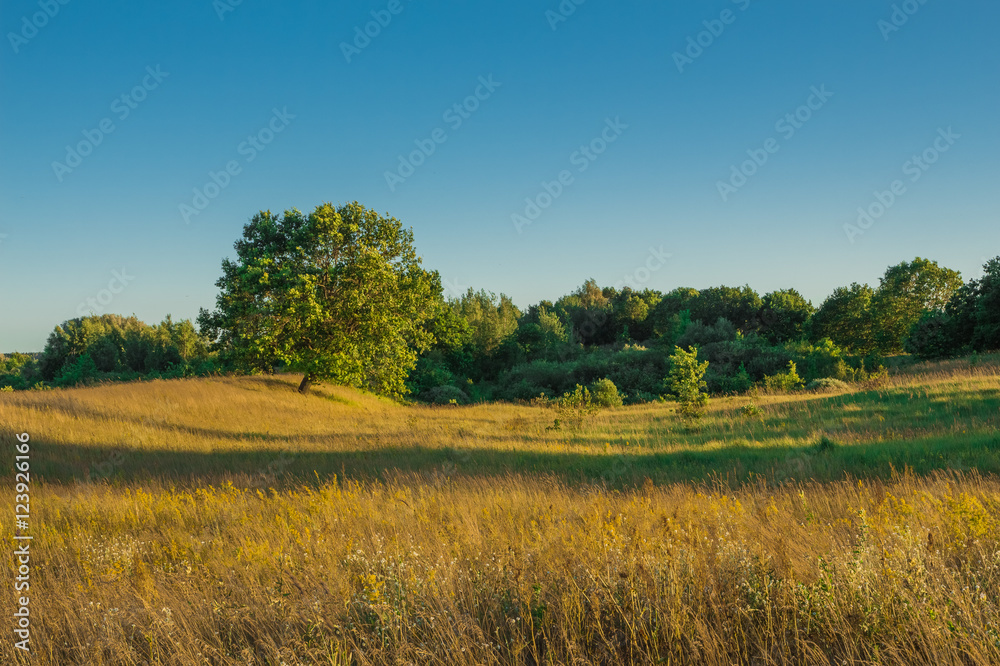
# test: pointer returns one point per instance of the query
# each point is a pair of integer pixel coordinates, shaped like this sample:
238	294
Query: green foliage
783	316
986	335
637	372
845	318
969	321
740	382
338	295
728	350
491	320
587	313
631	314
906	291
448	328
445	395
822	359
686	382
788	380
112	347
82	370
932	336
739	305
604	393
573	408
18	371
667	313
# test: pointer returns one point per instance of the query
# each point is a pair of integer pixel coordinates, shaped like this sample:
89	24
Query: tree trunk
306	383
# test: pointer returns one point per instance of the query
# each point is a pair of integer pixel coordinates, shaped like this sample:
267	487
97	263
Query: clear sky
113	114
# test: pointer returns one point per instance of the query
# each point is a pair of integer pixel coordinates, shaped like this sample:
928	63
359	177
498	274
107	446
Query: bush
815	361
574	407
827	384
739	383
604	393
785	381
445	395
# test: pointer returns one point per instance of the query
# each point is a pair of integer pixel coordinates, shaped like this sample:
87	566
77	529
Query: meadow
230	520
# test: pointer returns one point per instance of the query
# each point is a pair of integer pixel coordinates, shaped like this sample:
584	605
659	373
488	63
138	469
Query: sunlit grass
229	428
233	521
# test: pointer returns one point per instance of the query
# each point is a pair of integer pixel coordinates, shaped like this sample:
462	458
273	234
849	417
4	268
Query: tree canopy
337	295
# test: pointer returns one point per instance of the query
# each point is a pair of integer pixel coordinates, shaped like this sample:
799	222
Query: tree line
340	295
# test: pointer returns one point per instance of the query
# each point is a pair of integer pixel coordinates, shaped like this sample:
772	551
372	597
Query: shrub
445	395
788	380
739	383
604	393
574	407
686	382
827	384
580	398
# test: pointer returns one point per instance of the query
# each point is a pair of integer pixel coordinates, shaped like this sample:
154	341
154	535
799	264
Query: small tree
686	381
574	408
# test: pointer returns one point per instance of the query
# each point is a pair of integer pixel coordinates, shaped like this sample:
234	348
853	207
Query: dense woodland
481	347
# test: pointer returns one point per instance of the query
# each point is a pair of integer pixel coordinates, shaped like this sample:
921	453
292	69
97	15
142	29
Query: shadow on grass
823	461
377	454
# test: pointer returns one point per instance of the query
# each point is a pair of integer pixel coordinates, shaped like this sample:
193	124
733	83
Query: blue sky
203	84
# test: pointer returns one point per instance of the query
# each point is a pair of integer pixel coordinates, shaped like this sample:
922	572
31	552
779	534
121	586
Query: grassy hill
231	429
233	521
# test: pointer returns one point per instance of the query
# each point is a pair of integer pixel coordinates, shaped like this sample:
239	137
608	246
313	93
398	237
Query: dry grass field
233	521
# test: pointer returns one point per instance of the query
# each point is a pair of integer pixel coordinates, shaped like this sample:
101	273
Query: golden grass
517	570
227	428
210	522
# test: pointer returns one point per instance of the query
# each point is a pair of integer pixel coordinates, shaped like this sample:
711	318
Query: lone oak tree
338	295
